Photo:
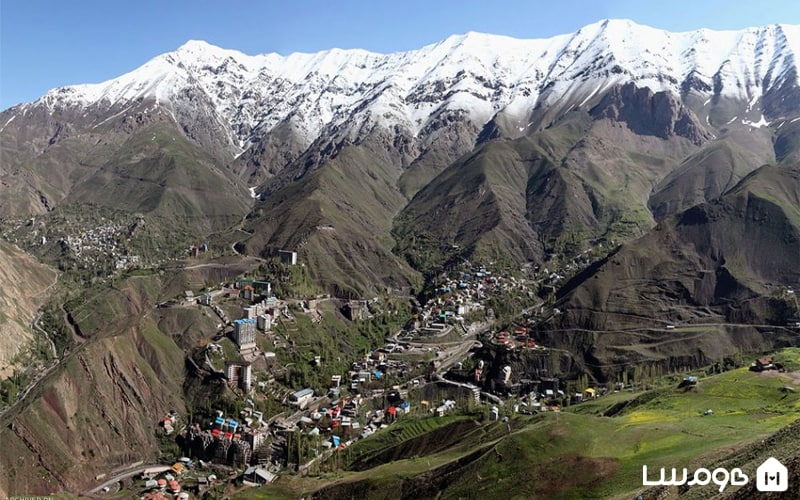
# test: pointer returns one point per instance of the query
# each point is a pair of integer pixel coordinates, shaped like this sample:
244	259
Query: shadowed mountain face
725	262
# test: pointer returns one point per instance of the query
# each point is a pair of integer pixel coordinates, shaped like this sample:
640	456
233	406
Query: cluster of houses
340	422
99	241
165	481
457	296
519	339
175	482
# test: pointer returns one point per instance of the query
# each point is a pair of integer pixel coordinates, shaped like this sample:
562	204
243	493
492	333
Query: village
425	368
290	409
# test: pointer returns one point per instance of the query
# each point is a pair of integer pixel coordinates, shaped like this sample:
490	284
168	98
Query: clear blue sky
46	44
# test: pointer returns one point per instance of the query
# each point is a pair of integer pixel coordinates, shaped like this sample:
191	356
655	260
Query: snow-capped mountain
474	75
522	148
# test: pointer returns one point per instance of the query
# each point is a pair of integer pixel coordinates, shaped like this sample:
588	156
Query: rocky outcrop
648	113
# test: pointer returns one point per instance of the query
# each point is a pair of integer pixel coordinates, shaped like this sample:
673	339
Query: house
288	257
243	282
257	476
262	287
205	299
264	322
762	364
302	397
446	406
352	310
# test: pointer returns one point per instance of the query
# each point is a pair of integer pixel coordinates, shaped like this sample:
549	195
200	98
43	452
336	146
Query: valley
486	267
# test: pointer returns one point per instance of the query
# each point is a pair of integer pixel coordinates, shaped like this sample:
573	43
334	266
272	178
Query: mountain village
426	369
486	267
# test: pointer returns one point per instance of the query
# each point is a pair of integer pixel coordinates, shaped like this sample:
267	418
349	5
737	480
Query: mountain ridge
509	75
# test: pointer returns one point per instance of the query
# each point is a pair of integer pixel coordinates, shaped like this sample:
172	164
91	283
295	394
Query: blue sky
46	44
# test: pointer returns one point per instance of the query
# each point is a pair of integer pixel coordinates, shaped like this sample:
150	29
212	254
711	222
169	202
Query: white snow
474	73
7	122
253	192
762	122
590	95
752	102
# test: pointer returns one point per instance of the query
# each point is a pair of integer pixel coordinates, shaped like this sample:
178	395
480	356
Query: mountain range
648	181
377	167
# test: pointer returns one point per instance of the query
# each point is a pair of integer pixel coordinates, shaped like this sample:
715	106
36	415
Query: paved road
137	469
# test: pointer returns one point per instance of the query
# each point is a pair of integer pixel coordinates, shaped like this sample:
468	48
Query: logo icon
772	476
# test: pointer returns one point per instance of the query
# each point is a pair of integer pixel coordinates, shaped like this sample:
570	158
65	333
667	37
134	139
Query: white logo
772	476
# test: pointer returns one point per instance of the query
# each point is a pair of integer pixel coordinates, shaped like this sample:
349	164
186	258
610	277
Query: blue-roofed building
244	333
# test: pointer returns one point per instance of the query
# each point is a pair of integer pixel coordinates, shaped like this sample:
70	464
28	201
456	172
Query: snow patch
253	192
590	95
760	123
7	122
752	102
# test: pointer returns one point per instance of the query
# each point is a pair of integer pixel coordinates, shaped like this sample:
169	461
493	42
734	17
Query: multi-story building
244	333
239	374
264	322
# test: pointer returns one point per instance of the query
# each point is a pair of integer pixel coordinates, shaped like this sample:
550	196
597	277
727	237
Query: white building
264	322
302	397
288	257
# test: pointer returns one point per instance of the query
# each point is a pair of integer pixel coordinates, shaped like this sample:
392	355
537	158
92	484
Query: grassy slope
710	172
355	195
712	253
158	171
573	181
578	453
